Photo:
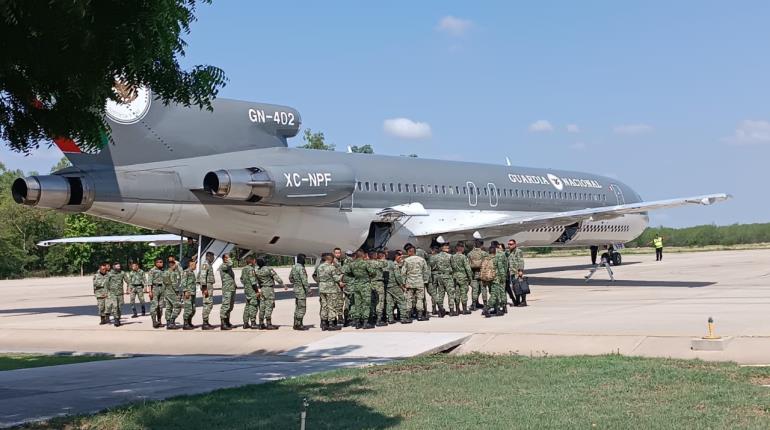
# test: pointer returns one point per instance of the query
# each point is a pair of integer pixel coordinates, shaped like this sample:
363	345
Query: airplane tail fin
144	129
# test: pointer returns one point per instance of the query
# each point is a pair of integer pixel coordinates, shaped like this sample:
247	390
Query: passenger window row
457	190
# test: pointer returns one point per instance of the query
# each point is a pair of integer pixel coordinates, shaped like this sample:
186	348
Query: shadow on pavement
567	268
536	280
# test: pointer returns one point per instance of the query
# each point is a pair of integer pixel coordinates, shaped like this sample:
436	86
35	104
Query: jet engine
297	185
71	193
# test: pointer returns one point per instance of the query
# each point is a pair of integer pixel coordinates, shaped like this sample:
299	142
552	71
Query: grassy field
474	391
24	361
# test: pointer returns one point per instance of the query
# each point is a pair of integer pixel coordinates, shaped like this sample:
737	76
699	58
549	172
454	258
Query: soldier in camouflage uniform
173	294
188	284
441	269
137	286
329	278
206	280
475	257
227	276
298	279
251	290
358	274
101	281
115	292
416	274
344	304
501	265
267	278
462	275
395	290
157	296
378	264
515	263
432	287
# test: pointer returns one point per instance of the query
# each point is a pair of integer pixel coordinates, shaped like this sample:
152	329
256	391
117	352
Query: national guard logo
556	182
133	106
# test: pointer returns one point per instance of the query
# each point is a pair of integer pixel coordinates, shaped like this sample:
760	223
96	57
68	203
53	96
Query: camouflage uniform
501	267
395	293
416	274
188	284
442	275
476	285
329	278
172	293
227	276
137	283
462	275
249	281
432	287
346	294
115	293
377	287
155	280
206	280
515	261
100	292
358	274
267	278
298	279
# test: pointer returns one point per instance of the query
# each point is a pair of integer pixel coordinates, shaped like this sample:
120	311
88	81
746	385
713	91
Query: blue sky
670	97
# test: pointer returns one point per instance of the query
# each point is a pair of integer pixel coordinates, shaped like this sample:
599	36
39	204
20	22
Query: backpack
475	258
488	272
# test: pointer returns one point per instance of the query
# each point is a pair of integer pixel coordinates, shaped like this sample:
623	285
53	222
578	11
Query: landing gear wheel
617	259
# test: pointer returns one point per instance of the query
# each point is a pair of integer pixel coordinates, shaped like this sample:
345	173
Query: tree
62	164
364	149
80	254
316	141
60	61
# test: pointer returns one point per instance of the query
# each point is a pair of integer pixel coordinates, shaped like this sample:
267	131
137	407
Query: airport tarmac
652	309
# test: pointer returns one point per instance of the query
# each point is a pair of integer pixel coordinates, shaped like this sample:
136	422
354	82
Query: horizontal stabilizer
152	239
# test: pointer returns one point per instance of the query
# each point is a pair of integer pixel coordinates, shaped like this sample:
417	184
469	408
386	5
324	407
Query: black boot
324	325
479	305
187	325
441	311
359	324
270	326
170	325
523	301
223	325
227	320
206	325
434	311
486	313
333	325
134	310
421	316
143	313
246	324
154	321
368	325
104	320
452	312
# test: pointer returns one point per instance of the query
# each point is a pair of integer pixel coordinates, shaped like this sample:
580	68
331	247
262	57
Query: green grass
474	391
24	361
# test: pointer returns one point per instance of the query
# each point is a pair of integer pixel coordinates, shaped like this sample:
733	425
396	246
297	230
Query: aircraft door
618	194
494	199
346	204
473	196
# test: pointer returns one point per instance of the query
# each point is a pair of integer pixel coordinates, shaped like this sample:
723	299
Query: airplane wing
153	239
504	225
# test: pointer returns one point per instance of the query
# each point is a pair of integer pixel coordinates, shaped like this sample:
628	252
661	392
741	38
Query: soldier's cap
349	253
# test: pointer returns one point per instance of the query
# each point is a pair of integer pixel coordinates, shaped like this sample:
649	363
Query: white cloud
405	128
578	146
750	132
573	128
540	125
454	26
632	129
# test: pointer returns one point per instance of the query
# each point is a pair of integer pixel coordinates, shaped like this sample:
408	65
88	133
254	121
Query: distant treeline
704	235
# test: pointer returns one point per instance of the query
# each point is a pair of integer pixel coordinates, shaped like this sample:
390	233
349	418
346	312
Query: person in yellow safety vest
658	244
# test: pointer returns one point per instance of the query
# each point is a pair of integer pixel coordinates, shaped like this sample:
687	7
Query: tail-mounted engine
70	193
303	185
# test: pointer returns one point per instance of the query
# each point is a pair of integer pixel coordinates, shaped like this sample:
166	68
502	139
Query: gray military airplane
229	175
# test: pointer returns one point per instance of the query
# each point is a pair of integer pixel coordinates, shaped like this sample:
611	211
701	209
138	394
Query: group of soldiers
360	289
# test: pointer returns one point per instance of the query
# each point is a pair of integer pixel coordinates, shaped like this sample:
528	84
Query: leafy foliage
363	149
316	141
60	60
704	235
